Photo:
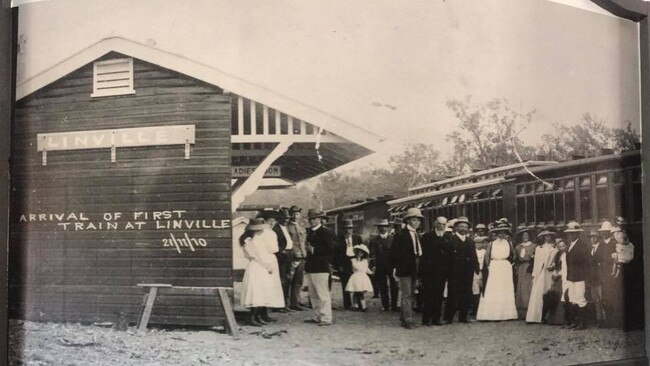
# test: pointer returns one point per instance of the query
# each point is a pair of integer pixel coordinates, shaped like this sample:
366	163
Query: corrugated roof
431	194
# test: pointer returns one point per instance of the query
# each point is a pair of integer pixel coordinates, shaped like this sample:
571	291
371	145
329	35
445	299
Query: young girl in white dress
261	286
543	267
359	283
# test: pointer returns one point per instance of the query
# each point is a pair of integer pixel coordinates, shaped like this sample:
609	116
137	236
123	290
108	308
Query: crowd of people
569	277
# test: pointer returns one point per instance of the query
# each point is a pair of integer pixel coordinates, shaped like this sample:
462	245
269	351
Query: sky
388	66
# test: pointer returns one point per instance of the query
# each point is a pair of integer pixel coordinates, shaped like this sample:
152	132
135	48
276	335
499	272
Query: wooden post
233	327
146	312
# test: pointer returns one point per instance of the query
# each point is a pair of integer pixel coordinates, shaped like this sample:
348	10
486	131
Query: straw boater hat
480	226
257	224
294	208
573	227
313	213
268	213
413	212
461	220
605	226
546	232
362	247
383	222
348	224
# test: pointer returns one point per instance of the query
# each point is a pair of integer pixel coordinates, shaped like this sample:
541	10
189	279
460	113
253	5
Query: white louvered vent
113	77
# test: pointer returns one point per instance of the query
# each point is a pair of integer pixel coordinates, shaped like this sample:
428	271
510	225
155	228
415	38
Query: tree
488	134
586	138
418	164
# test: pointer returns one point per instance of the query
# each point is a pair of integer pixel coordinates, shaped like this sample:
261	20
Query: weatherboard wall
89	272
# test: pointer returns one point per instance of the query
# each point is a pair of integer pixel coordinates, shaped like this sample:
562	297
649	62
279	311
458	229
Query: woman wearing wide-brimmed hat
544	264
498	300
261	286
524	254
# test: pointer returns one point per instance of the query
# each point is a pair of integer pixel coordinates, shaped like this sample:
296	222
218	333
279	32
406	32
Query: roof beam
276	138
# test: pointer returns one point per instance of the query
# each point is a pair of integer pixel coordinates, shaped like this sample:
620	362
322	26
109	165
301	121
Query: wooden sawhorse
151	291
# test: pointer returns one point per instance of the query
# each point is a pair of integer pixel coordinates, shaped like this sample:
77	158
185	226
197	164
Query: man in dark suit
405	254
285	253
464	264
343	255
434	270
577	263
320	244
597	263
380	256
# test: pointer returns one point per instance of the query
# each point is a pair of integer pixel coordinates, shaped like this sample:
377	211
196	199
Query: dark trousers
284	265
432	296
387	288
459	296
296	283
344	276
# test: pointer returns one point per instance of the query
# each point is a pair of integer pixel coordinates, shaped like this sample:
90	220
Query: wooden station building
127	165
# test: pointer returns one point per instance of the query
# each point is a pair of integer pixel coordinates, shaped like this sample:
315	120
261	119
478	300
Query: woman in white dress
498	301
543	267
261	286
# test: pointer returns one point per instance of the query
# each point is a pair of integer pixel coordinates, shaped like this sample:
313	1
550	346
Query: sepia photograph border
634	10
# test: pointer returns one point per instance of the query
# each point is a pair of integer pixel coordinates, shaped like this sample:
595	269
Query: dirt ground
372	338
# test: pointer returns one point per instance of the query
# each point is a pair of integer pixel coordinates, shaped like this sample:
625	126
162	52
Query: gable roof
205	73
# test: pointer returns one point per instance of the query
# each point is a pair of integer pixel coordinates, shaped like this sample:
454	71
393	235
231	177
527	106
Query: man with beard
405	255
464	264
434	270
380	255
343	255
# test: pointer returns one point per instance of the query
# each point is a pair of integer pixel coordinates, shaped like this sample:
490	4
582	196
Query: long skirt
555	305
498	301
524	286
541	285
261	288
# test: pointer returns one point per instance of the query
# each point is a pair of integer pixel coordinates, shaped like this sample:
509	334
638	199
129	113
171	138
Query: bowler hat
313	213
382	222
413	212
257	225
573	227
294	208
284	214
348	224
594	232
480	226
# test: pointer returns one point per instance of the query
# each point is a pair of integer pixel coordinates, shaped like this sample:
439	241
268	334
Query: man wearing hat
343	254
405	254
434	270
285	254
298	236
463	266
577	263
380	246
598	270
320	242
480	230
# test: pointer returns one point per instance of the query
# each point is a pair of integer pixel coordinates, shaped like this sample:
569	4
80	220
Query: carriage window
569	206
602	198
585	199
549	209
521	210
539	208
559	205
530	209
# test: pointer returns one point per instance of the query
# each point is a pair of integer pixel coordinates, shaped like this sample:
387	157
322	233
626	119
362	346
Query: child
619	284
478	278
359	283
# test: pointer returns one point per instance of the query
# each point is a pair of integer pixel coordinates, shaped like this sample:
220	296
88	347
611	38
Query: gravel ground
372	338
